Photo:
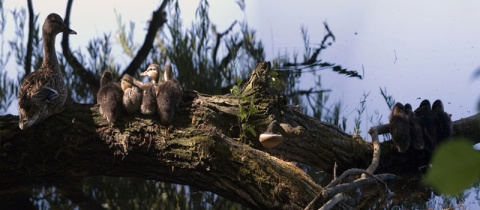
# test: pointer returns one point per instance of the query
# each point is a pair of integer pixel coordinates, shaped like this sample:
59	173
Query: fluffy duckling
416	131
43	92
424	113
442	122
400	127
109	97
169	95
132	95
152	72
149	105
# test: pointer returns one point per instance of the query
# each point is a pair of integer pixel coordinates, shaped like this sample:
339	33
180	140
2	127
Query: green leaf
455	167
252	131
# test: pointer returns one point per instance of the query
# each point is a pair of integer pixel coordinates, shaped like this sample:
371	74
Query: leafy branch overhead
313	63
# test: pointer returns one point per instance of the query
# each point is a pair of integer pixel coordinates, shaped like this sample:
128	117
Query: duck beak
70	31
144	73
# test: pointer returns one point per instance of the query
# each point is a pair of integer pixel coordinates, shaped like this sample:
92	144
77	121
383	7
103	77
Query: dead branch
31	31
86	75
332	202
158	19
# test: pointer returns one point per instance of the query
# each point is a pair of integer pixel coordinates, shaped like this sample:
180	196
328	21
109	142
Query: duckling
149	105
442	122
169	95
424	113
400	127
109	97
152	72
43	92
132	95
416	131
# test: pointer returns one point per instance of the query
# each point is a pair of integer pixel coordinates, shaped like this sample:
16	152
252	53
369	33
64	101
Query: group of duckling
423	128
133	95
43	92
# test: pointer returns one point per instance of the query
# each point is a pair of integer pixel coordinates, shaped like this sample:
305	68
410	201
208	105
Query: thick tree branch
31	31
86	76
158	19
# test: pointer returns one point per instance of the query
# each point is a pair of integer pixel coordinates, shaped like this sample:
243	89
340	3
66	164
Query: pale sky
417	49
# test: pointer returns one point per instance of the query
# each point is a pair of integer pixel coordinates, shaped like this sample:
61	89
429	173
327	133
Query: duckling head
168	75
54	24
152	72
127	82
106	78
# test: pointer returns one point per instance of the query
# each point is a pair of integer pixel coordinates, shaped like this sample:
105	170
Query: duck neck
50	60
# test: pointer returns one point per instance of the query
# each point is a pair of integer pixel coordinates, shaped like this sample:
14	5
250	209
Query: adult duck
43	92
109	97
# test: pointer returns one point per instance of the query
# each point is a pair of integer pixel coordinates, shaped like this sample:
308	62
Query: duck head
54	24
152	72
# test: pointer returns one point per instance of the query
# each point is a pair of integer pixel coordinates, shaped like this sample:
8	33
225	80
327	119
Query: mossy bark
202	149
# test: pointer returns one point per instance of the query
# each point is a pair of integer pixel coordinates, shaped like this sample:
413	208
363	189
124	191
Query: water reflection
112	193
132	193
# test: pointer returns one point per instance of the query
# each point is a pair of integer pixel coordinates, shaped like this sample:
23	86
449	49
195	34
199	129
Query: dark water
131	193
112	193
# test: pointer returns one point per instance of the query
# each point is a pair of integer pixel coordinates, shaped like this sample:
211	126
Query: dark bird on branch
400	127
169	95
149	104
442	121
132	94
424	113
416	131
109	98
43	92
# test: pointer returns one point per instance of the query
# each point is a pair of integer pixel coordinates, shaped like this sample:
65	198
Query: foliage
455	166
195	51
388	98
245	111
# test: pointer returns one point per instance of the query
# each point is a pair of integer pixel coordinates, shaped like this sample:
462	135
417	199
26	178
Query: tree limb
31	31
85	75
158	19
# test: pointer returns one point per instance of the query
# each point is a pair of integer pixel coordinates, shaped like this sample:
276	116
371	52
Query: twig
357	183
334	187
335	170
217	42
374	132
332	202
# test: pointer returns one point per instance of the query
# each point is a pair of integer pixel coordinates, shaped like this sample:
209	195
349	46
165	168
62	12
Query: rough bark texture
201	150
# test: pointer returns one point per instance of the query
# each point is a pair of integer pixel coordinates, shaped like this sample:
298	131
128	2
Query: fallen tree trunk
203	150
